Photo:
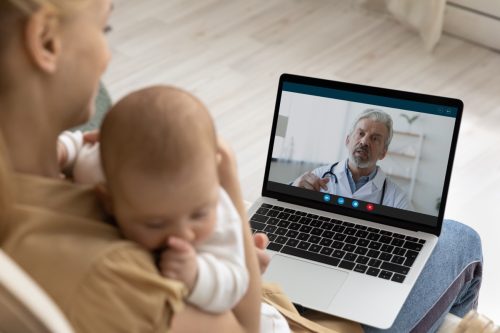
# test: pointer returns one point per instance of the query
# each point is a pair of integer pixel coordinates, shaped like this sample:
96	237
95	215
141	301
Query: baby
158	150
156	166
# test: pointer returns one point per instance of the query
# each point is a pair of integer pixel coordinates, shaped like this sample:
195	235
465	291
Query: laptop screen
362	151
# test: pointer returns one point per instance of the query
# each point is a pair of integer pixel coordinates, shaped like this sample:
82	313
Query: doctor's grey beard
358	162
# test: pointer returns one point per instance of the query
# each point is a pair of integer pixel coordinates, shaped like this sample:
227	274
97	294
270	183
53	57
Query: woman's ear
104	197
43	40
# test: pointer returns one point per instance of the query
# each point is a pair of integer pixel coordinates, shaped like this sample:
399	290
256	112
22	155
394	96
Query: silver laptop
354	193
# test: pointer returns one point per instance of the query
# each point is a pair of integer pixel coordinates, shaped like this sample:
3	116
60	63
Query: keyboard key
363	242
421	241
409	262
372	230
385	233
362	260
398	236
338	245
314	239
259	218
385	256
338	228
351	239
283	216
281	231
305	228
348	224
326	251
350	231
412	246
373	254
398	260
360	268
257	225
273	213
385	239
362	233
281	239
273	221
304	245
292	242
395	268
349	248
326	242
316	231
266	205
375	245
411	254
399	251
288	210
311	256
272	237
300	213
328	234
314	248
350	257
324	218
385	275
302	236
372	236
279	208
316	223
411	239
398	278
294	226
347	264
360	227
361	250
270	228
294	218
305	220
327	226
397	242
339	237
283	224
373	271
374	263
292	233
314	216
387	248
274	247
338	254
262	211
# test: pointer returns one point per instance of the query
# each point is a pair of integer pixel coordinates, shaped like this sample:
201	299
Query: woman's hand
260	240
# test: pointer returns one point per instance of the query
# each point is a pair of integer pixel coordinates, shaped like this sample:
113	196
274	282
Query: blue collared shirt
361	181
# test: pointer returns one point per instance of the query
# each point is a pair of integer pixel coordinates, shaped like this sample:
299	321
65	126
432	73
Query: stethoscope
331	174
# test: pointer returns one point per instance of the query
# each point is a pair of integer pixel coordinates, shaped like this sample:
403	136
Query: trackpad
308	284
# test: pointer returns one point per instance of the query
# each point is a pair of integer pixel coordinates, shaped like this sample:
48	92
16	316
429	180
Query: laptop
353	215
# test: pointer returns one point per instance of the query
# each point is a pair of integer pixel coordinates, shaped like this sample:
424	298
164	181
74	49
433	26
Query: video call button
327	197
355	203
340	201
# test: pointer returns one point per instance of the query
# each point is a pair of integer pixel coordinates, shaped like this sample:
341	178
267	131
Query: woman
52	54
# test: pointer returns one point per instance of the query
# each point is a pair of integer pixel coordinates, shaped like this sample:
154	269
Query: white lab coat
370	192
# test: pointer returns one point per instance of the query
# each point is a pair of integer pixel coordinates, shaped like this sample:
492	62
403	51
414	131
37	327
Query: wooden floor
231	52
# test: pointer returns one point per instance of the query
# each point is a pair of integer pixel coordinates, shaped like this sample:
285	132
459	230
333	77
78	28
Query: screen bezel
405	95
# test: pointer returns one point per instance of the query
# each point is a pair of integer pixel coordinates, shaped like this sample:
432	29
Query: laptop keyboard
355	247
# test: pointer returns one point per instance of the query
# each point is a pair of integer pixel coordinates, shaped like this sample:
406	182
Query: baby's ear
104	197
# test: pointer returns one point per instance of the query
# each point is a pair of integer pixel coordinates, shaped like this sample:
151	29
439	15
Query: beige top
100	281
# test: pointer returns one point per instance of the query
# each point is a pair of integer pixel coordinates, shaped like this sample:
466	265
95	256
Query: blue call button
327	197
340	201
355	204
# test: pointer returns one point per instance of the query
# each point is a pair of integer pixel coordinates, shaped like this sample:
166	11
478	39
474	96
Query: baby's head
159	157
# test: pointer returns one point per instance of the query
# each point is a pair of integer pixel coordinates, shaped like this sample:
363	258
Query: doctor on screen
358	176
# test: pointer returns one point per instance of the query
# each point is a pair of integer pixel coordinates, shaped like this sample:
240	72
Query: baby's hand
178	262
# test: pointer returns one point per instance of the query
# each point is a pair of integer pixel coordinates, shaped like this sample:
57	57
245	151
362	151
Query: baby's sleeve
222	273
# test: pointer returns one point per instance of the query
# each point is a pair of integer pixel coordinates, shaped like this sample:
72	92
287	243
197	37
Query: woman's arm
245	317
